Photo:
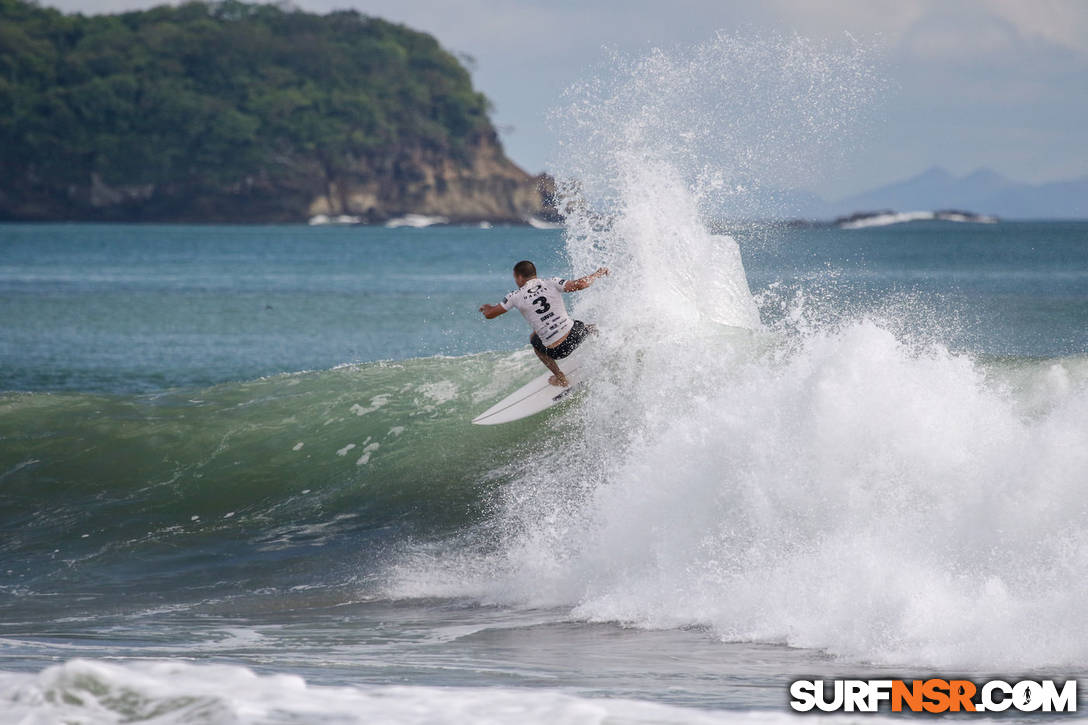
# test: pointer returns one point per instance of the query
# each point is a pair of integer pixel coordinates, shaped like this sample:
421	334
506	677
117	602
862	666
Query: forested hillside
239	112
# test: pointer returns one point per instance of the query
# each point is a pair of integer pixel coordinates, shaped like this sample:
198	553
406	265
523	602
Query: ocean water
130	309
238	482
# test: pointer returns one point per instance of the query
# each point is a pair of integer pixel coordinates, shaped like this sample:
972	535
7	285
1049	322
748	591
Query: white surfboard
536	396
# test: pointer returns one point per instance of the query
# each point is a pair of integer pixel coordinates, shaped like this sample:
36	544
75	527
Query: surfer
555	334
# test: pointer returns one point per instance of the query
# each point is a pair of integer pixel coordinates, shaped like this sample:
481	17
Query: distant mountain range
983	191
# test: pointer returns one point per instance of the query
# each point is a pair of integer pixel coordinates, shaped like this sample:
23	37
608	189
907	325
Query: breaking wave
852	486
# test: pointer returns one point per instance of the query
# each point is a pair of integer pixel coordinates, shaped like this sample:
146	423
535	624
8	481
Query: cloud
967	24
954	35
1063	22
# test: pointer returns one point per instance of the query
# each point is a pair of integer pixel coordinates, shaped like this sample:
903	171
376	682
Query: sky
1001	84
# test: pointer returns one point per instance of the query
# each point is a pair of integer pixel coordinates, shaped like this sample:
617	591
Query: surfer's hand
601	272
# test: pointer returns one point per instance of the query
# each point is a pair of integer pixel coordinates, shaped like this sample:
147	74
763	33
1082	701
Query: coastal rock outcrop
486	186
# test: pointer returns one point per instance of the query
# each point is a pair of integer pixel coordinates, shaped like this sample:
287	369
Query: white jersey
540	302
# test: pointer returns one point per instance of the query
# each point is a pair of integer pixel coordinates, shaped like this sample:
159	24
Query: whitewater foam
851	494
377	402
94	691
847	485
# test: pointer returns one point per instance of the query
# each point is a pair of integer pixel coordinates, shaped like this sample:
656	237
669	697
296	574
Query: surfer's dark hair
525	269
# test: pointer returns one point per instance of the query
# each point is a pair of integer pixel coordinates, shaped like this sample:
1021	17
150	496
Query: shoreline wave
177	692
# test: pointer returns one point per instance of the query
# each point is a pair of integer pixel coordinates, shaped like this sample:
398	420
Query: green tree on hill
219	91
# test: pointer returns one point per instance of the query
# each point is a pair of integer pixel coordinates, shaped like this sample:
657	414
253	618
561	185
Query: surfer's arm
582	282
492	311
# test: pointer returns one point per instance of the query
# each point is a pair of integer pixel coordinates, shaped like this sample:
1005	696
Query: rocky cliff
485	186
482	185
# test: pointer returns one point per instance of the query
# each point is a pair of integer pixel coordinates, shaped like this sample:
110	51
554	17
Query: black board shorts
574	338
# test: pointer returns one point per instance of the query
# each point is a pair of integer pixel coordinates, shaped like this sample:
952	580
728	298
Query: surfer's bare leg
559	378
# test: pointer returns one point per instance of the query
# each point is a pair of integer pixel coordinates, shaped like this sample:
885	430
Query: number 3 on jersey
543	305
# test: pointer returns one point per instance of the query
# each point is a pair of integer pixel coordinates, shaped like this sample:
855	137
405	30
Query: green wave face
254	477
